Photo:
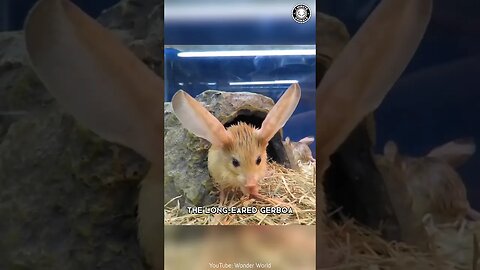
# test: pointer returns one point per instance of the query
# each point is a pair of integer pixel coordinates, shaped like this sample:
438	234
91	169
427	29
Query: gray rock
13	49
140	25
67	198
129	14
332	36
186	170
20	89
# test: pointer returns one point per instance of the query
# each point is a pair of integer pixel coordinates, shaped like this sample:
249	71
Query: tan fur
423	185
246	147
298	151
241	142
437	189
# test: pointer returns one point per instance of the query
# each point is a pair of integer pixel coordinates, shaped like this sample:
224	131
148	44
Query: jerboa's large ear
280	113
198	120
455	152
94	77
307	140
367	68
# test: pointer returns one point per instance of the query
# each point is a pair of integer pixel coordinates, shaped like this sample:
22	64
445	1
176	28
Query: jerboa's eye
235	162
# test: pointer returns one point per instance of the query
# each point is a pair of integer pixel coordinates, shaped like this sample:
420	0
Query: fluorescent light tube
264	82
247	53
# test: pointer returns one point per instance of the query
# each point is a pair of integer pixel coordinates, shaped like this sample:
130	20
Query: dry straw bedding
296	189
356	247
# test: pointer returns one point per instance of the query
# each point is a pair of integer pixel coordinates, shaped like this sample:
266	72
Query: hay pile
295	188
355	247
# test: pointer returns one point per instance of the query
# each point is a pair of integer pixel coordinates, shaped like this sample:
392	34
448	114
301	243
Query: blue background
272	32
196	75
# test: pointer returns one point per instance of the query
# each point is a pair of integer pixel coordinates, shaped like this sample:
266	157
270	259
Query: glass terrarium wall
267	70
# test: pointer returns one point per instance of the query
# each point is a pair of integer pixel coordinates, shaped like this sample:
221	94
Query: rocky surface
332	35
67	197
140	25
